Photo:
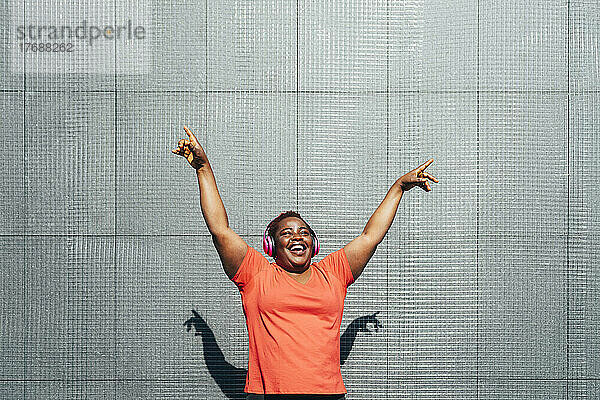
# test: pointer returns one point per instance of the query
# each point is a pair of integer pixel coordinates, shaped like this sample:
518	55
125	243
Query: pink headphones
269	242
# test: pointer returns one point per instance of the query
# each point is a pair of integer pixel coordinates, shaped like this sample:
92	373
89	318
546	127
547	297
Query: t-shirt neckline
295	282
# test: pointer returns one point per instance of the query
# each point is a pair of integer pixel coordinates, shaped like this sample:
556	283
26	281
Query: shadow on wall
232	380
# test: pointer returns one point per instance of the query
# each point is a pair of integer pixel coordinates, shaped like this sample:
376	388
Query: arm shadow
349	336
231	380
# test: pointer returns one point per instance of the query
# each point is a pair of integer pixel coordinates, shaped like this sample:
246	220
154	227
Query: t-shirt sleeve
251	265
337	263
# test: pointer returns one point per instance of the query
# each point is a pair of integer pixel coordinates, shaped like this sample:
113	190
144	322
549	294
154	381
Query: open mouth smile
298	249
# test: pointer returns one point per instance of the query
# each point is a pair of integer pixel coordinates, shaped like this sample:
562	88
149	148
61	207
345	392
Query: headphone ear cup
268	245
316	246
271	246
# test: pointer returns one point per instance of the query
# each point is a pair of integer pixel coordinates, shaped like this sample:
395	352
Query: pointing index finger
190	134
425	164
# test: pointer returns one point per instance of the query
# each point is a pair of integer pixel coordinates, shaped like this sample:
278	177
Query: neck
292	269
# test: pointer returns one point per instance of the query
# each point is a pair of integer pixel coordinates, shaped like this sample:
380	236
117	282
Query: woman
293	307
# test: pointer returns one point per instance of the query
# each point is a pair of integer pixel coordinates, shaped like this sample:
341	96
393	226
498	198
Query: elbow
370	241
220	234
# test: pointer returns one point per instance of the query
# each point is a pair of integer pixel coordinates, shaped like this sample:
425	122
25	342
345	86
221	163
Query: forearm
382	218
212	206
230	246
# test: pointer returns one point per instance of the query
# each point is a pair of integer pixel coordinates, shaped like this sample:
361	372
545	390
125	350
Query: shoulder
337	264
252	264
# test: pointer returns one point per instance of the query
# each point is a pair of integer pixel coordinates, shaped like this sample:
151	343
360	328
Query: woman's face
293	244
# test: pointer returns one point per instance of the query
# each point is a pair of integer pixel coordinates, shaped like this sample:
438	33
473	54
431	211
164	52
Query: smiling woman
293	306
296	241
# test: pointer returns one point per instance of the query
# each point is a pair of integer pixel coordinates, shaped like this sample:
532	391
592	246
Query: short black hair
272	227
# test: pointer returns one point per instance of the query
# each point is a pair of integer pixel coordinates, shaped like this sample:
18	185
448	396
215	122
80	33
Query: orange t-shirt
293	328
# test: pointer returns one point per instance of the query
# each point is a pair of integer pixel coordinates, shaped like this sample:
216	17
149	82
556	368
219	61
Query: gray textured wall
488	287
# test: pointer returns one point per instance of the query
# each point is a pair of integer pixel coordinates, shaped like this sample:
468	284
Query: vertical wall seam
477	286
297	104
387	175
567	272
206	68
115	272
206	91
25	210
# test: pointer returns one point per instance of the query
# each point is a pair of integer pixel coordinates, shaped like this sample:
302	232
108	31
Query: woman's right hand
191	150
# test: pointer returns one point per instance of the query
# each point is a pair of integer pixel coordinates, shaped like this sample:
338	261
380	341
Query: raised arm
230	246
360	250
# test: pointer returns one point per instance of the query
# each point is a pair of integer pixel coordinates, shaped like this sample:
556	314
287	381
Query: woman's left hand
417	177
